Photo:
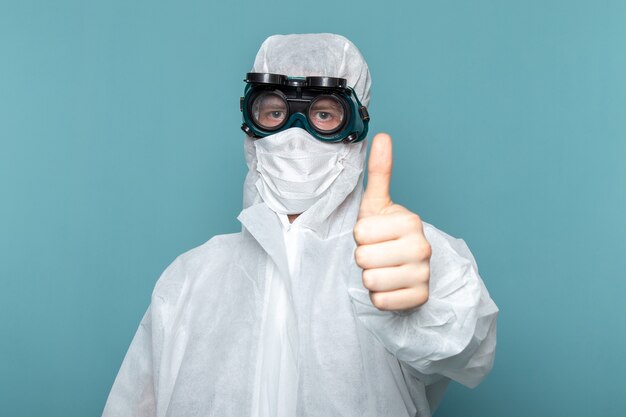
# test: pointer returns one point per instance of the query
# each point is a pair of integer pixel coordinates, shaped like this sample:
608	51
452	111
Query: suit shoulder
211	255
216	248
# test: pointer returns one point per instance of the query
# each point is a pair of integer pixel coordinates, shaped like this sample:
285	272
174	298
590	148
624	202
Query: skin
325	113
391	248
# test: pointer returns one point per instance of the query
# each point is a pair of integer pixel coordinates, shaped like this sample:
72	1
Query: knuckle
379	301
414	221
422	296
369	280
359	231
425	250
359	257
426	277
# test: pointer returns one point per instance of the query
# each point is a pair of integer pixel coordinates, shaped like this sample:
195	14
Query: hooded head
323	54
341	164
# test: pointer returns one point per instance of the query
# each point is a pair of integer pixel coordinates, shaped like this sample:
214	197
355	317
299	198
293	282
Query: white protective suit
275	321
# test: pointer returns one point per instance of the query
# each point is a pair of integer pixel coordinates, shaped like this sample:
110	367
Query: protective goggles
326	107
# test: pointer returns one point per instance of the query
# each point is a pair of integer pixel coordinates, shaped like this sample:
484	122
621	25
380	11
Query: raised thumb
379	167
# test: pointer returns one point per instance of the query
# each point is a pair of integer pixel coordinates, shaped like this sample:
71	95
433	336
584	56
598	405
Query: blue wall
120	148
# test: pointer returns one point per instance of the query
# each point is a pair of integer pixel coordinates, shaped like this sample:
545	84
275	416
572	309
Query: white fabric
274	320
295	169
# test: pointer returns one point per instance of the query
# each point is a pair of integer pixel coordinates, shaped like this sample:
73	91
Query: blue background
120	148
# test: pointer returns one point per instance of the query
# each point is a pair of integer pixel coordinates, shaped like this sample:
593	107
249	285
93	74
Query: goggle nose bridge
298	121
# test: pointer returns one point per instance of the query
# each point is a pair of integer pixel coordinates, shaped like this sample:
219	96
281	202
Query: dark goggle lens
326	113
269	110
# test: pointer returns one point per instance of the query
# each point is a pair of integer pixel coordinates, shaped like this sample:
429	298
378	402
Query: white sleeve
135	390
454	333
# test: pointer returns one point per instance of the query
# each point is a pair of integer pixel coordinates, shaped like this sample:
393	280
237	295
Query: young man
332	301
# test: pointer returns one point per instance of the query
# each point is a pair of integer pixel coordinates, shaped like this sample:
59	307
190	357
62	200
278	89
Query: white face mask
295	169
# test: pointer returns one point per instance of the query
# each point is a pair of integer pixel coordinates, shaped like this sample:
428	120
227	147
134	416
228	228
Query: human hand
391	246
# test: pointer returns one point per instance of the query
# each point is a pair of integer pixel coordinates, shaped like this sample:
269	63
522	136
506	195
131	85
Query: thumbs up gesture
391	246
